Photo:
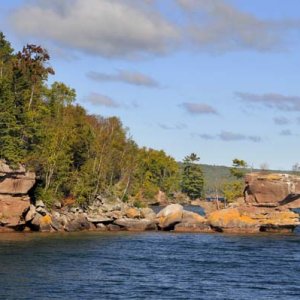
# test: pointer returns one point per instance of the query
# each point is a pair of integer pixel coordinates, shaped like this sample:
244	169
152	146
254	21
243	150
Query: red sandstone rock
12	208
15	181
273	189
14	186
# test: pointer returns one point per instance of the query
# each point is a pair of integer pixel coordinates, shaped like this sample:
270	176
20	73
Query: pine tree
192	177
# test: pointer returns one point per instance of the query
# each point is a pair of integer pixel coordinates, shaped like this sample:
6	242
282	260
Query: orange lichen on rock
231	220
45	220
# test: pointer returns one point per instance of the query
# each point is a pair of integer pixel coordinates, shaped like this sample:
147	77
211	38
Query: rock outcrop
273	189
174	217
14	187
168	217
266	207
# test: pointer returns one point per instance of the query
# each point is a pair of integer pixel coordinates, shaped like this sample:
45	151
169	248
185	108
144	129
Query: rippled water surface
154	265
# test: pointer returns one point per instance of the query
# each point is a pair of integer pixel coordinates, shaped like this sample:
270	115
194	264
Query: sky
219	78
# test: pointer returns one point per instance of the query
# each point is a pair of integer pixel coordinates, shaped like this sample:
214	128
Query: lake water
150	265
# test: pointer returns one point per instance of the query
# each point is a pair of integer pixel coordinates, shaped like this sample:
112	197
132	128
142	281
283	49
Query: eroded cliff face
273	190
14	187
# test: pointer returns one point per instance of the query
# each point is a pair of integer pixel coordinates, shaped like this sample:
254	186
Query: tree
73	153
11	144
238	168
192	182
234	189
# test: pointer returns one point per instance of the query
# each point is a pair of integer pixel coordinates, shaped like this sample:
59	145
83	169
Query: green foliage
238	168
233	190
192	177
155	171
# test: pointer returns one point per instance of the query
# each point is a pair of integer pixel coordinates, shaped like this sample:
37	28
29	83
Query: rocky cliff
14	187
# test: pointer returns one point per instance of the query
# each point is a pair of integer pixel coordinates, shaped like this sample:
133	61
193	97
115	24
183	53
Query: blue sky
218	78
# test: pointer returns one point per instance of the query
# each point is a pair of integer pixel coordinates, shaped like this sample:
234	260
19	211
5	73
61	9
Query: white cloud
110	28
219	26
135	28
198	108
102	100
232	136
178	126
272	100
281	121
229	136
135	78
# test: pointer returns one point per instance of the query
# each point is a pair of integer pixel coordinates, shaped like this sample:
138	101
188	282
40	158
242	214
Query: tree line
73	153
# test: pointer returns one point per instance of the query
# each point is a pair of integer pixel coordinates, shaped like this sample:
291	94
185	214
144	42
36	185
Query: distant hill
215	177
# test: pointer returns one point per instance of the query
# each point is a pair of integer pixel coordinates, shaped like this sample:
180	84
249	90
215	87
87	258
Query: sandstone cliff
14	187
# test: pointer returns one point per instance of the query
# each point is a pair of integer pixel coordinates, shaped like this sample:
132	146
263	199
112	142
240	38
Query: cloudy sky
216	77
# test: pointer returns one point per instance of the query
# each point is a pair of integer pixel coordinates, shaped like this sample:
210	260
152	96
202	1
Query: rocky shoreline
266	208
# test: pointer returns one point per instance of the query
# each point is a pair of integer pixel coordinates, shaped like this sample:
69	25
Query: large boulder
15	181
272	189
147	213
193	227
11	209
252	219
278	219
192	217
192	222
168	217
78	223
136	224
231	220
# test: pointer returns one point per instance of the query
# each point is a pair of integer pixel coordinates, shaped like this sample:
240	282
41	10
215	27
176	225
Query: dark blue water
153	265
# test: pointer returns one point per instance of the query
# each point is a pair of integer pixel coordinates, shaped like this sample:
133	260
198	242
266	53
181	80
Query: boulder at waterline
78	223
168	217
230	220
136	224
113	227
192	222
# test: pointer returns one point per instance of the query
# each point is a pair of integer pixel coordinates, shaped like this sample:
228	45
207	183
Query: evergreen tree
192	177
234	189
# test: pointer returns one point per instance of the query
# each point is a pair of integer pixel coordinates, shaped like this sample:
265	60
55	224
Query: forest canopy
74	154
